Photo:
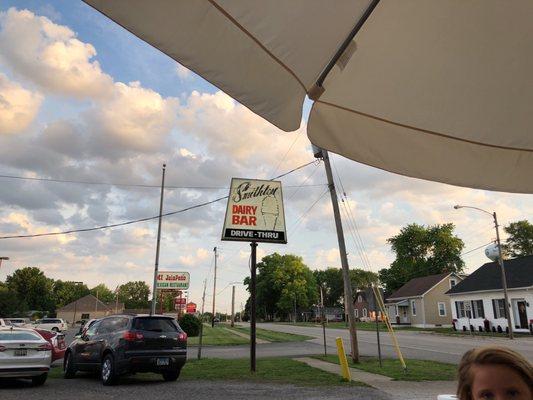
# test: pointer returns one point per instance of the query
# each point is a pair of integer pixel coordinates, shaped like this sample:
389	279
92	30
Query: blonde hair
491	355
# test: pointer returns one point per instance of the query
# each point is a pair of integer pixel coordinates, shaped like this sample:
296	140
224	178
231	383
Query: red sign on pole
180	301
191	308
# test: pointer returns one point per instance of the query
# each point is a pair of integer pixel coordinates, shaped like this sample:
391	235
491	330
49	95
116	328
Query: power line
300	219
140	219
55	180
477	248
286	153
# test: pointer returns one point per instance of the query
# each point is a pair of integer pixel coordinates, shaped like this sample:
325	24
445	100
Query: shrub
190	324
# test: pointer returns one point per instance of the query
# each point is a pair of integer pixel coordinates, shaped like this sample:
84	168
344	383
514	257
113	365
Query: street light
3	259
500	257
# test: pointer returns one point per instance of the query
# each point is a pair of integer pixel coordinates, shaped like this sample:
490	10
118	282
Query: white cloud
183	73
50	55
18	106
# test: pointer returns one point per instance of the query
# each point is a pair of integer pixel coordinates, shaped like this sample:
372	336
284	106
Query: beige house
88	307
423	302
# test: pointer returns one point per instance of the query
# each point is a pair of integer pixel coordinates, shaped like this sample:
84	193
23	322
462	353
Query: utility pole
233	306
202	323
214	289
323	317
504	278
156	266
348	299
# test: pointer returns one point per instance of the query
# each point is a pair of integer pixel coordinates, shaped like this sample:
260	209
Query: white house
477	303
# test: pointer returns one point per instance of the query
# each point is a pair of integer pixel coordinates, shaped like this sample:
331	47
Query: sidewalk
398	390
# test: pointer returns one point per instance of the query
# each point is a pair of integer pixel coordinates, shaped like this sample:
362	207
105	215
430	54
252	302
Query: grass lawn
275	370
363	326
272	336
417	370
218	336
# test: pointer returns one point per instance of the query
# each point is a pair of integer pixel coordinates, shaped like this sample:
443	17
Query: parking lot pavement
89	387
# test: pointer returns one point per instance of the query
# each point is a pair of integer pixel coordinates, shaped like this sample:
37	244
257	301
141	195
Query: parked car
122	344
86	325
20	322
51	324
24	354
4	322
57	340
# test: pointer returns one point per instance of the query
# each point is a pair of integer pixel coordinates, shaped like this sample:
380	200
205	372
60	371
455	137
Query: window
413	307
84	316
359	299
19	335
356	313
155	324
364	312
442	309
498	306
460	308
453	282
477	309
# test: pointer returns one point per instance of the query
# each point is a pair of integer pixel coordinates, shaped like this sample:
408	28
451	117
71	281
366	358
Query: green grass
218	336
278	370
269	370
272	336
363	326
417	370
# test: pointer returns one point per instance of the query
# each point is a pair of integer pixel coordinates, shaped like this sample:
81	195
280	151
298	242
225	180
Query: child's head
494	373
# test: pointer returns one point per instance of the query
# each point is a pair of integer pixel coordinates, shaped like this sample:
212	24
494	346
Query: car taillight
3	348
132	336
182	337
45	347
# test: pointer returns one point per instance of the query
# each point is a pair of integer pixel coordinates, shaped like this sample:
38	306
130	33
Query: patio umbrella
434	89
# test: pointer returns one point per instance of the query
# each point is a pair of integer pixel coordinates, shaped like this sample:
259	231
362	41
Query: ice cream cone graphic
270	212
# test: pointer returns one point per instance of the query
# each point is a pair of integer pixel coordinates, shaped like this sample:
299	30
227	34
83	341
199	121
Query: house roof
86	303
417	286
518	271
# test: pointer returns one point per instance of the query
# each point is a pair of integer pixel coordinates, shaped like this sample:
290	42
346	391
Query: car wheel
39	380
69	368
107	372
55	329
170	376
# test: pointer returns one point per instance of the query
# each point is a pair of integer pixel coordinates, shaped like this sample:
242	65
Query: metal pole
214	289
253	271
344	260
156	266
202	323
75	309
323	322
377	327
233	306
504	278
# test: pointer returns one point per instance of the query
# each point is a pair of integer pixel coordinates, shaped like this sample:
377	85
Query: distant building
423	302
365	306
478	301
88	307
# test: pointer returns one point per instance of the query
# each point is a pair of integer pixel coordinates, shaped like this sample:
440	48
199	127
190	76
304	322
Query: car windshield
155	324
18	335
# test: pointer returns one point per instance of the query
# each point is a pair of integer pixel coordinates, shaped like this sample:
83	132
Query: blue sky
102	127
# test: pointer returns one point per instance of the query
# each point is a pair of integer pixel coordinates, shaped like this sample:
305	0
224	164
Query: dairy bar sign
255	212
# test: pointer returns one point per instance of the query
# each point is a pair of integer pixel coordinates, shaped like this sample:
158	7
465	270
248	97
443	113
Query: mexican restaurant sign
172	280
255	212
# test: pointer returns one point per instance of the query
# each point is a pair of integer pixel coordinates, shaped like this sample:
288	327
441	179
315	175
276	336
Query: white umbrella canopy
434	89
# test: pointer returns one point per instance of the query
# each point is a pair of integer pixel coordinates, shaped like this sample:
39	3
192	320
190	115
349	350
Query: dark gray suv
122	344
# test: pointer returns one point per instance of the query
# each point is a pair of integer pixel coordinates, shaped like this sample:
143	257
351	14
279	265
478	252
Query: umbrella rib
249	34
422	130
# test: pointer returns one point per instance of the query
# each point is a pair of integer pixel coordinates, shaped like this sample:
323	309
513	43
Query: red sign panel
191	308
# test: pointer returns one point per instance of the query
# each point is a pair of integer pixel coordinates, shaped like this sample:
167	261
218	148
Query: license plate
162	361
21	352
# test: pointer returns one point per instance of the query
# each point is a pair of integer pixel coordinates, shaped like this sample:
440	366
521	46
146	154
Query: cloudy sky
82	99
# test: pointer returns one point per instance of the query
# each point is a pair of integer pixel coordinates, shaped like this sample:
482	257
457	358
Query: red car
57	340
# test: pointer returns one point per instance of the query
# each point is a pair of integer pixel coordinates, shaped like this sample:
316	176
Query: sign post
254	214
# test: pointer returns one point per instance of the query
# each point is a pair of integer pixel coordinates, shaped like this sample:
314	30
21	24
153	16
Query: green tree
134	294
66	292
332	285
422	251
10	304
519	243
33	288
361	279
103	293
283	282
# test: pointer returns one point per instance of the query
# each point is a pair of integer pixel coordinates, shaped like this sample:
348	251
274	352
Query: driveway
90	388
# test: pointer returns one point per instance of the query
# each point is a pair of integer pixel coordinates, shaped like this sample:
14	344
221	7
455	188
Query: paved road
414	344
90	388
